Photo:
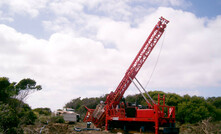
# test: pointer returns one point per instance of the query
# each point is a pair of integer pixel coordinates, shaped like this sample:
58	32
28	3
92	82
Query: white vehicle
69	115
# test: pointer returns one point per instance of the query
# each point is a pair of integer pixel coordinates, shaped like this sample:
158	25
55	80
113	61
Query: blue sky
83	48
206	8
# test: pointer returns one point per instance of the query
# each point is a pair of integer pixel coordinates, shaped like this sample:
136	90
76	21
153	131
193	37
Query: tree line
189	109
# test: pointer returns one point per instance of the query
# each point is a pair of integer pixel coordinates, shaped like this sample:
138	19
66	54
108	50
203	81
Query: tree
7	89
173	99
25	87
13	111
194	109
20	90
216	101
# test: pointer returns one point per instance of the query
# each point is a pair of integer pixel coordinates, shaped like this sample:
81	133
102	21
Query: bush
57	119
43	111
218	114
23	111
8	119
44	119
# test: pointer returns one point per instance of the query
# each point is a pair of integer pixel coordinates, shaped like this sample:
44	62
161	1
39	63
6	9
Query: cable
156	62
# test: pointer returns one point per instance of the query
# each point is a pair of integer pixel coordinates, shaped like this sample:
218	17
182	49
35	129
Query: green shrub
8	119
218	114
43	111
194	111
57	119
44	119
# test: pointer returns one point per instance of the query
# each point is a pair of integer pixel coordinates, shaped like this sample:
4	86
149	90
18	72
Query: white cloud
120	10
60	24
76	12
70	64
187	59
71	7
175	3
24	7
61	64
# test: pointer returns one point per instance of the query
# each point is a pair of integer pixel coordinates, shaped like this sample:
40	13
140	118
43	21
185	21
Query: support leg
156	119
106	124
156	128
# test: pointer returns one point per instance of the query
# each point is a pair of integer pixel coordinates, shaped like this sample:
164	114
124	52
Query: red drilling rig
115	113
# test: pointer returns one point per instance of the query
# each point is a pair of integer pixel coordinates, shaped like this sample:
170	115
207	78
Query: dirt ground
65	128
61	128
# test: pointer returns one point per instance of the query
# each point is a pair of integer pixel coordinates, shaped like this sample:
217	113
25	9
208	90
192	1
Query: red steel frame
88	117
160	115
108	112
